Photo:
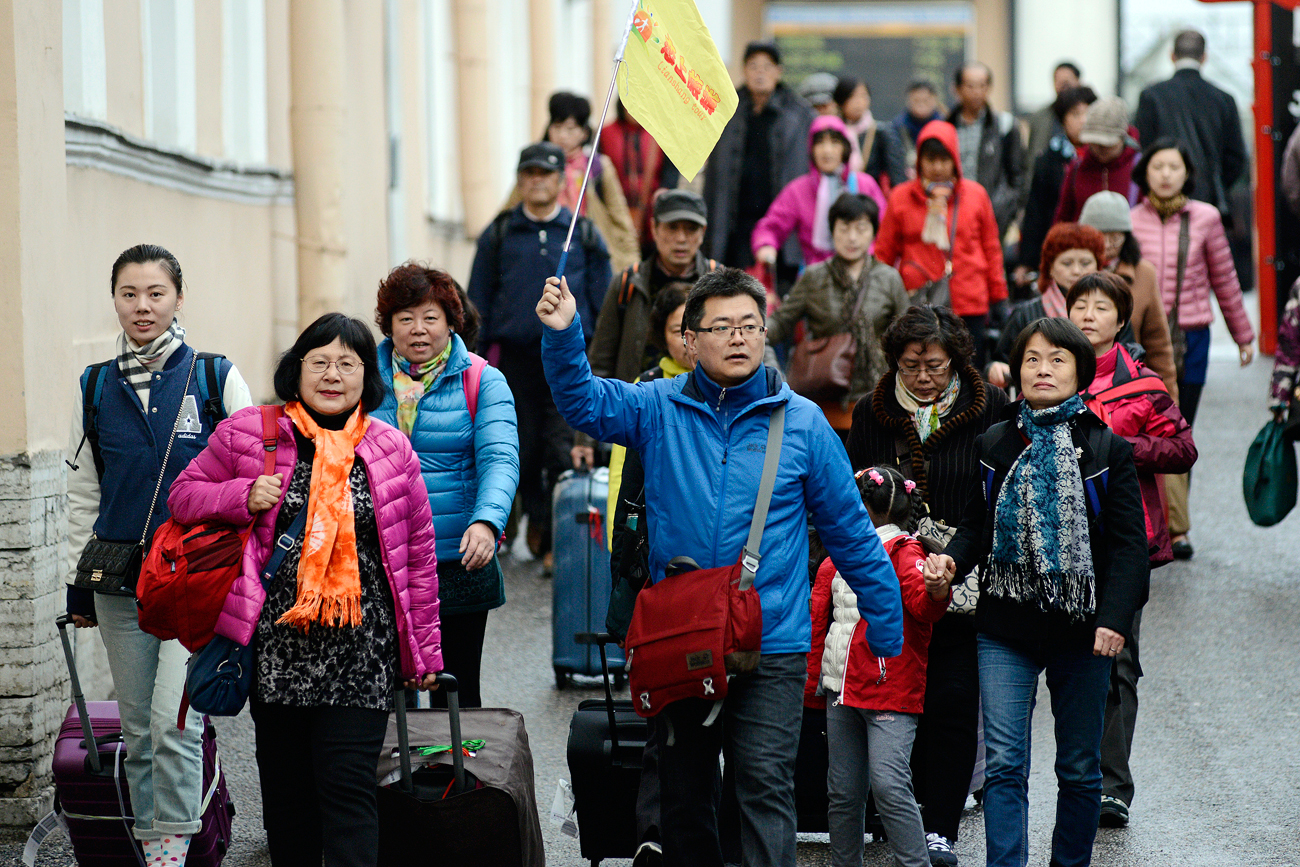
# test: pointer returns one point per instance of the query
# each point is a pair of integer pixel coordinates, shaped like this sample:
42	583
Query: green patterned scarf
411	381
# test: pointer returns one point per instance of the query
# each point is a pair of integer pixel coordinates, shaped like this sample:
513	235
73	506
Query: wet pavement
1217	751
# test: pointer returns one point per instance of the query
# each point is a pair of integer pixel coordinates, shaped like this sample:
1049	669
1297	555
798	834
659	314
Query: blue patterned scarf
1042	553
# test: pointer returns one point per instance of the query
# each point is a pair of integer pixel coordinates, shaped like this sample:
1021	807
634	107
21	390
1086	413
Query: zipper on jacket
722	395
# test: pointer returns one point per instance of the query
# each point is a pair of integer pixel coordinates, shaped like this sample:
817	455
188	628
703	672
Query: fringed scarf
131	361
928	415
1042	553
935	229
411	381
329	576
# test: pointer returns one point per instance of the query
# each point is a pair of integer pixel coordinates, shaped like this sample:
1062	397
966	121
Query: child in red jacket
873	703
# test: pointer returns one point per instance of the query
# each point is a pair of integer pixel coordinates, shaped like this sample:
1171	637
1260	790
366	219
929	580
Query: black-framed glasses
931	369
345	366
723	332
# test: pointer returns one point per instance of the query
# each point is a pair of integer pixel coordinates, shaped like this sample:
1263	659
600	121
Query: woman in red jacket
940	227
873	703
1135	403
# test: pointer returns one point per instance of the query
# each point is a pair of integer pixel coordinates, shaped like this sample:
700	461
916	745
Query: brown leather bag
821	368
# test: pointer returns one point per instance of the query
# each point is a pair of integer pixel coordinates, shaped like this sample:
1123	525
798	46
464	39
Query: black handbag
1178	337
112	567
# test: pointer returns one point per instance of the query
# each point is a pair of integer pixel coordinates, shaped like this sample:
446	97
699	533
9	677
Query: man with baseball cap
516	253
1105	163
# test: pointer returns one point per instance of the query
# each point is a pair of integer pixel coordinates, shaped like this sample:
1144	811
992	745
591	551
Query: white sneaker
941	854
648	854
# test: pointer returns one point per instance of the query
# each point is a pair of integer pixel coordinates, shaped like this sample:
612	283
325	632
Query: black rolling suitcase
452	809
606	744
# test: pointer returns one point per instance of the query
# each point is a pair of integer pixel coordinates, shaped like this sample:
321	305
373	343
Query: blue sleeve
481	285
609	410
846	531
496	450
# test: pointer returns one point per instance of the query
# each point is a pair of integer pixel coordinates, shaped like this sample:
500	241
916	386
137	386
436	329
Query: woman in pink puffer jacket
1161	176
353	605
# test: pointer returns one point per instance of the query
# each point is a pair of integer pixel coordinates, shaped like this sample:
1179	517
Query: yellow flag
674	82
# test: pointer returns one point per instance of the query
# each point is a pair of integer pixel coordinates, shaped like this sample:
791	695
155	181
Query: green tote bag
1269	482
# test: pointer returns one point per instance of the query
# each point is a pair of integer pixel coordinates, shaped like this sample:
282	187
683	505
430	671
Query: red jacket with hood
977	276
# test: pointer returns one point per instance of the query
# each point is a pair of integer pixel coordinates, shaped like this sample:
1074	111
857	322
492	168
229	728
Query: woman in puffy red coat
354	602
917	238
1136	404
873	704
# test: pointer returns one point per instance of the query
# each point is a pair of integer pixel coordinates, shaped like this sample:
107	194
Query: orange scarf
329	576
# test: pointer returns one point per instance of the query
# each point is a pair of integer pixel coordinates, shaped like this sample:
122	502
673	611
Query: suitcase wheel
561	678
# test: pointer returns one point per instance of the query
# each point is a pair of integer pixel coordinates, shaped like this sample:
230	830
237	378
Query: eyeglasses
345	366
932	370
724	332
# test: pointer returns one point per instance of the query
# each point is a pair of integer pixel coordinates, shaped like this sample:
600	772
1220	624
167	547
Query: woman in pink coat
353	605
1161	176
805	202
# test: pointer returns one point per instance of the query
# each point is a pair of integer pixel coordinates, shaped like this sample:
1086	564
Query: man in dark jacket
1201	116
991	149
922	106
517	251
703	439
763	148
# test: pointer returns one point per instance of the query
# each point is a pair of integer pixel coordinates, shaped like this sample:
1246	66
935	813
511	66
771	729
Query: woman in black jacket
1058	527
926	415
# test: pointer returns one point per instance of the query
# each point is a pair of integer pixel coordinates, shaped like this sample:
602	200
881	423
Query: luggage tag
564	810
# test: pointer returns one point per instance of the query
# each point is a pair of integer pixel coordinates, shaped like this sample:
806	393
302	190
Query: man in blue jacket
702	439
517	251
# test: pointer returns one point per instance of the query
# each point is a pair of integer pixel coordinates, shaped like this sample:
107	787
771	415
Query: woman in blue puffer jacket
460	416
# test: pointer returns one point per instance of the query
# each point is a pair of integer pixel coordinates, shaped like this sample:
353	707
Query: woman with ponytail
872	704
354	604
140	416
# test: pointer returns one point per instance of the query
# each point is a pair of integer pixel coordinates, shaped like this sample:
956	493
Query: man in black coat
992	151
763	148
1201	116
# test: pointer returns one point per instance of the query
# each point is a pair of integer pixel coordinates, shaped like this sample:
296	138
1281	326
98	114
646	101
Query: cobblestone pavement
1216	750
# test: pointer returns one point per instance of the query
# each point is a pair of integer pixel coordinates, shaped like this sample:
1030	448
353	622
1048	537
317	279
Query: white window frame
243	81
169	75
85	65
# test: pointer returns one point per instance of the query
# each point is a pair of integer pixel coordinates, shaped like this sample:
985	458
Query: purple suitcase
96	803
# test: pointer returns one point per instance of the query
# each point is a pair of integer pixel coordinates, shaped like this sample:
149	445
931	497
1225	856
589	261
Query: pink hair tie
909	485
875	476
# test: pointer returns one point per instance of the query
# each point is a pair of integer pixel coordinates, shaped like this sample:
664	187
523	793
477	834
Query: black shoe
1182	549
1114	813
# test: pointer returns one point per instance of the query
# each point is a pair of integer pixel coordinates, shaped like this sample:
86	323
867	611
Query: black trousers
544	437
317	768
462	656
943	756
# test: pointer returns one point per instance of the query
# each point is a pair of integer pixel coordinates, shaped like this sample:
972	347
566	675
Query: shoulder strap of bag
162	471
750	557
1184	243
952	235
469	380
91	393
626	289
270	434
283	546
210	387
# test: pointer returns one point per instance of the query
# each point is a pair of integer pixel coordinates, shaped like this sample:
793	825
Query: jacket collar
765	386
1011	442
456	362
519	219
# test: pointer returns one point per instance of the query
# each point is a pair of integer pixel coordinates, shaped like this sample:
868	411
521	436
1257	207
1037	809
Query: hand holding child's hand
937	584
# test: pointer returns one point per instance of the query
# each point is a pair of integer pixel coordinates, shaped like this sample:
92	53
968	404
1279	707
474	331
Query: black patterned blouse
339	666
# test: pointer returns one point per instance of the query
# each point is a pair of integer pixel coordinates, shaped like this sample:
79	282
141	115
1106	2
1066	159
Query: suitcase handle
600	639
92	745
447	682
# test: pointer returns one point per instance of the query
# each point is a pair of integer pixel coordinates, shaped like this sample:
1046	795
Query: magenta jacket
215	487
795	206
1209	266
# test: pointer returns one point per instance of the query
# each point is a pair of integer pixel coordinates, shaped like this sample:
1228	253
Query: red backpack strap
1137	385
270	433
470	380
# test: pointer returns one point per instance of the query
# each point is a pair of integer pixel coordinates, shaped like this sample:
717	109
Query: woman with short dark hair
852	292
876	149
353	605
459	414
926	416
1060	538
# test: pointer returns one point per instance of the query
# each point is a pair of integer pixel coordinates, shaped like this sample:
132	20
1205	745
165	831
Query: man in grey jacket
763	147
991	149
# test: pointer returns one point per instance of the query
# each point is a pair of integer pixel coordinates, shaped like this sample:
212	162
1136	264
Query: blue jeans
759	729
164	765
1077	681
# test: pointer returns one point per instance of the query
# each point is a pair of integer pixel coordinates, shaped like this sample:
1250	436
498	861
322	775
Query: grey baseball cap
542	155
1107	122
819	88
673	205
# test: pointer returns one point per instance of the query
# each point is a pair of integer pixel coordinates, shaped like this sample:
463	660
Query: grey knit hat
1107	212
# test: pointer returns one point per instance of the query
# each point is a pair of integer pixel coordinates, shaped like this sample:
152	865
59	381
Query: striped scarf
411	381
131	362
1042	552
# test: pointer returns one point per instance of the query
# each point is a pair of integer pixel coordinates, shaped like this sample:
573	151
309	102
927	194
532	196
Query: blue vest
134	442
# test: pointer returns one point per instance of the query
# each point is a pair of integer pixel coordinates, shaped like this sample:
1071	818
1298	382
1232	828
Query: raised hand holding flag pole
674	83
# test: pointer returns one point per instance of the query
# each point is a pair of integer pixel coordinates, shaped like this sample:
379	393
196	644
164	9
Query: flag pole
595	141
